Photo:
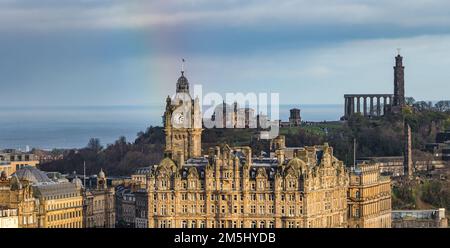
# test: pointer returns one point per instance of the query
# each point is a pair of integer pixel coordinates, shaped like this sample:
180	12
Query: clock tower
182	124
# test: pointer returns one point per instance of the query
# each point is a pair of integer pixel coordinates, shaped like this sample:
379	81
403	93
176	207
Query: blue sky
114	52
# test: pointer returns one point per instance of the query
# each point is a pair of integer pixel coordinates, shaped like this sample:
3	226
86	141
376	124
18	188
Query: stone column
384	105
371	106
352	105
358	104
346	107
365	106
378	106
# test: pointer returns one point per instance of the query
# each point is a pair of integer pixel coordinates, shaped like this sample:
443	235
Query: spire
182	83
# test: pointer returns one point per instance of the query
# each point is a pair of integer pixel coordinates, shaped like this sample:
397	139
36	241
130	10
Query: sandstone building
12	160
431	218
229	188
41	202
369	197
8	218
98	204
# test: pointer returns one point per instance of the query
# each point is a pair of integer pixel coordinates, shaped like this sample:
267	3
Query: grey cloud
159	13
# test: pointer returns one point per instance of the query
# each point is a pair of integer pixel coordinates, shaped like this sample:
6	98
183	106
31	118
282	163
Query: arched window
262	224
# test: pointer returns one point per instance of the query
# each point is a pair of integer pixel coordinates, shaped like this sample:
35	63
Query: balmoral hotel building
228	187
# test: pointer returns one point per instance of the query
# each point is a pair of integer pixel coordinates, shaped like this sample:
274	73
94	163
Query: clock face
179	118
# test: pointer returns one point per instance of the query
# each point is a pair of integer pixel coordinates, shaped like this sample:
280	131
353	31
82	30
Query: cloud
323	74
103	14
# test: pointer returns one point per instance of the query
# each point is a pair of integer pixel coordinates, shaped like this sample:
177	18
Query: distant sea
72	127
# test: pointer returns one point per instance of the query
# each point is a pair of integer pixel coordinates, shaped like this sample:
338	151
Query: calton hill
382	136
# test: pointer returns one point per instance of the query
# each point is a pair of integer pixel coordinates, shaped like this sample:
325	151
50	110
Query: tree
423	106
94	145
442	106
410	101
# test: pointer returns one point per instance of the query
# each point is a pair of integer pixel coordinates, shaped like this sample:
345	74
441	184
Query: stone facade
399	82
432	218
60	205
99	205
230	189
9	218
125	207
183	123
369	198
294	118
12	160
40	201
15	194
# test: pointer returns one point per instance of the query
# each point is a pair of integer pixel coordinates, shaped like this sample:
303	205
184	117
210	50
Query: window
262	224
261	209
184	224
253	209
193	224
271	225
253	224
